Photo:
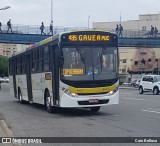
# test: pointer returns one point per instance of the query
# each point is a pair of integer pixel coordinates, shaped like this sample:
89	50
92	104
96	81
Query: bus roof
45	41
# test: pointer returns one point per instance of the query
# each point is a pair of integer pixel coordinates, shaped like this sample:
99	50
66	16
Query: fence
28	29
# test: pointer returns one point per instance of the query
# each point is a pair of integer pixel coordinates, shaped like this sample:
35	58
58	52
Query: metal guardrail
29	29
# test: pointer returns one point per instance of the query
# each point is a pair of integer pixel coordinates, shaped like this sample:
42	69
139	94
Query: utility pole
120	17
52	16
88	21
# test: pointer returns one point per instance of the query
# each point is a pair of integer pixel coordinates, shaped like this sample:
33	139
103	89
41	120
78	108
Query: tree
3	66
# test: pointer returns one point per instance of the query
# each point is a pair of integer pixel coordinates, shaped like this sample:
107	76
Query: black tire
155	91
48	103
140	90
20	97
95	109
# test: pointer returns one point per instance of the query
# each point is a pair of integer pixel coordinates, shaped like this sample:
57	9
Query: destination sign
88	38
73	71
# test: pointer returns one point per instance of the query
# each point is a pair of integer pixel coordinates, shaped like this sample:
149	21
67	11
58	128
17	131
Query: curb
129	88
6	132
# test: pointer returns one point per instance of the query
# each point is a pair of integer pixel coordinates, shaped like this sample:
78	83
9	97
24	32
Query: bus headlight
70	93
112	92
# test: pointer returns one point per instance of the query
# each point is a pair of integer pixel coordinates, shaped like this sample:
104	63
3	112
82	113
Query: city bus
77	69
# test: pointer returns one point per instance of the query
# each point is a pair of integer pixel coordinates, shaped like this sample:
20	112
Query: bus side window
37	61
41	58
46	58
33	64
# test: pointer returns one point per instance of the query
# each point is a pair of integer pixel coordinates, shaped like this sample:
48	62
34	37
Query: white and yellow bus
73	69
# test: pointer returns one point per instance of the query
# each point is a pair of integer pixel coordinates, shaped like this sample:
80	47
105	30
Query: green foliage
3	66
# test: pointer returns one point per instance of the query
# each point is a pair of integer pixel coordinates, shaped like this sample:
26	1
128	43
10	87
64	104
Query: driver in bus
106	66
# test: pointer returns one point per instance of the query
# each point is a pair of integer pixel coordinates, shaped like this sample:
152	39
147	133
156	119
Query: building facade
135	60
138	61
8	49
137	27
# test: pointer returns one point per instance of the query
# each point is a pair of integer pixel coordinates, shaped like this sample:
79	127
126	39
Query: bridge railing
28	29
133	33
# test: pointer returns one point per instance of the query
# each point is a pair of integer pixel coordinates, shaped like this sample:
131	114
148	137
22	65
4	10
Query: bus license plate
93	101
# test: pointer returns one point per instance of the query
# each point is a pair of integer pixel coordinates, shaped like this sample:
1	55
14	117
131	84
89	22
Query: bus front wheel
48	103
95	109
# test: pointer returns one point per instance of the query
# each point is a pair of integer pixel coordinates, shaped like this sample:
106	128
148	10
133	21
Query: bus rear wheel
95	109
20	97
48	103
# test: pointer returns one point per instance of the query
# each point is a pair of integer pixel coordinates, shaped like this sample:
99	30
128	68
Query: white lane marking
151	111
132	98
156	109
128	93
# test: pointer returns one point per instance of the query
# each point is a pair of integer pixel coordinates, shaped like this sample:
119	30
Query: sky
75	13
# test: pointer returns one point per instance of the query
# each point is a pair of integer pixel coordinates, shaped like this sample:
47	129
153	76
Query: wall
130	60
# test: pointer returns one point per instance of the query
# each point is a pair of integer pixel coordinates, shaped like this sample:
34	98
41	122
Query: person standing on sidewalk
51	28
0	27
120	30
42	28
9	26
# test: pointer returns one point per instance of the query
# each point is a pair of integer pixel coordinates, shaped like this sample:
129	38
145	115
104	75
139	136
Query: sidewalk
5	131
125	87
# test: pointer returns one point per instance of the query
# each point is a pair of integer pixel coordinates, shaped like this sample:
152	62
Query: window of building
144	28
149	60
123	70
156	60
136	62
124	61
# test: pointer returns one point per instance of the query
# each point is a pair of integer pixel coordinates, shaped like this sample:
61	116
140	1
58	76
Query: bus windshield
88	63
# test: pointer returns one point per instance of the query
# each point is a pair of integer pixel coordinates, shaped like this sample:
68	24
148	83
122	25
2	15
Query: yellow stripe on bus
92	90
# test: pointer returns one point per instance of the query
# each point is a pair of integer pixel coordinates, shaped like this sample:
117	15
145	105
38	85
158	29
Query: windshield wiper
81	55
100	60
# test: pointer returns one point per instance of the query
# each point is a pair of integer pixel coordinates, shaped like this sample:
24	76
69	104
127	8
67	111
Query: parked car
2	80
126	84
5	79
133	83
137	83
150	83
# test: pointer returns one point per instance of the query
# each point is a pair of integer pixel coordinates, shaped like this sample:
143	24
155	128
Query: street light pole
88	21
5	8
120	17
51	11
52	16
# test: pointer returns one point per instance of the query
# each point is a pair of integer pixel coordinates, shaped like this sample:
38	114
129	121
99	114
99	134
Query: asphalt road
135	116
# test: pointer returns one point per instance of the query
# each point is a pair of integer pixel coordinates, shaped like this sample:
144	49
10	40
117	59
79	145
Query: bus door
55	75
28	76
14	76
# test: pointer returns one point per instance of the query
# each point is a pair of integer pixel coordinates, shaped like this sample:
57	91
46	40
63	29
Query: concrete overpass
17	38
